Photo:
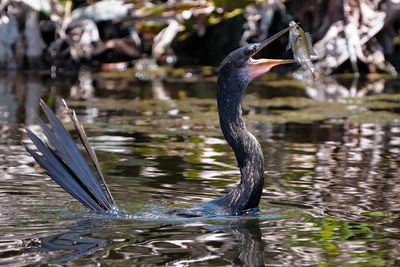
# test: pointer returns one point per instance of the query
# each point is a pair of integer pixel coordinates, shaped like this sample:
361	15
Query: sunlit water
332	190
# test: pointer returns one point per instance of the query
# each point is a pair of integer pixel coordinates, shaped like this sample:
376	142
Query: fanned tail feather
63	162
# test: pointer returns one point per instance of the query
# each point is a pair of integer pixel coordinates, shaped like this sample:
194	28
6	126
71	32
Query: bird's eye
251	50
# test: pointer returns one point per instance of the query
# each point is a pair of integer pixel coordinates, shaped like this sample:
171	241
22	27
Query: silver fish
301	45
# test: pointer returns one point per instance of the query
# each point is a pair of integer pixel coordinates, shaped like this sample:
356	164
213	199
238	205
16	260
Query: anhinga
63	162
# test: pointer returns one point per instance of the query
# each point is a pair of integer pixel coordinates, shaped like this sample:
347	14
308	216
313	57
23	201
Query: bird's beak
260	66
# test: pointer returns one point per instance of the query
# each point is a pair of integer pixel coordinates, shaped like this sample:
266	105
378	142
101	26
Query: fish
301	45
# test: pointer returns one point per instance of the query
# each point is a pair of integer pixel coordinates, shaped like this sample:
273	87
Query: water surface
331	196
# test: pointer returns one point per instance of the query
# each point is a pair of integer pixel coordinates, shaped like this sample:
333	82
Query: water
332	190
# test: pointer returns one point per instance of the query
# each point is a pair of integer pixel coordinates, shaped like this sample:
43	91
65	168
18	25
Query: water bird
84	180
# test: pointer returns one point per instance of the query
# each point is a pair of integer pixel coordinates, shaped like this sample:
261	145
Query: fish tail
63	162
310	66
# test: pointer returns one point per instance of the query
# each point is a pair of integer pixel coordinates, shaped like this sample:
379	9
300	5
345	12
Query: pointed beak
258	67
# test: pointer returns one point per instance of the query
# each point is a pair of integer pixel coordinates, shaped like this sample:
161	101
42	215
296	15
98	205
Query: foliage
346	38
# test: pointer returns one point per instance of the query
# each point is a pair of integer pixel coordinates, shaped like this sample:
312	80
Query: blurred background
65	35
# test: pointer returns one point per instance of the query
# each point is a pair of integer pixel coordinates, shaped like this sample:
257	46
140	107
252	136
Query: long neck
247	194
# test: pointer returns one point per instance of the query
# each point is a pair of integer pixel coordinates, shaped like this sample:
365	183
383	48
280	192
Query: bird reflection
247	234
251	246
75	243
81	240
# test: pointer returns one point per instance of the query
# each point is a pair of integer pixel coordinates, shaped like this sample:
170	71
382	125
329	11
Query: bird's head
241	62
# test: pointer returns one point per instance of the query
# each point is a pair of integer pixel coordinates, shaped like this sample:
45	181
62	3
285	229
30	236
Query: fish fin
314	74
295	38
313	54
288	46
309	38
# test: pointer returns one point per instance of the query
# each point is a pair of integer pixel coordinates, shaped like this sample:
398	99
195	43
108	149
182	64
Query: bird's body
65	165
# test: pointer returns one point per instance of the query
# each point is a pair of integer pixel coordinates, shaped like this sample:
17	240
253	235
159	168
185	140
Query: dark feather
65	164
89	149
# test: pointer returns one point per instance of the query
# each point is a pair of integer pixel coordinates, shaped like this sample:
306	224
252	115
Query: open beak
260	66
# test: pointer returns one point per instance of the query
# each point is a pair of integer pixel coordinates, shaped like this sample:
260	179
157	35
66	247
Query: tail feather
89	149
59	173
70	154
65	164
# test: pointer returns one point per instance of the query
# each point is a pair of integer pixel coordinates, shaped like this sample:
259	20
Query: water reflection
237	241
330	89
76	242
341	173
16	90
248	236
84	89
